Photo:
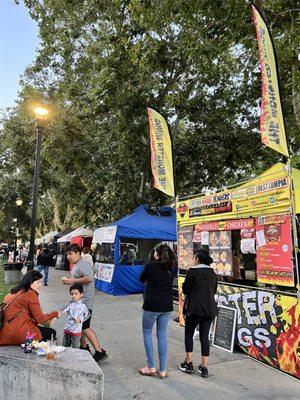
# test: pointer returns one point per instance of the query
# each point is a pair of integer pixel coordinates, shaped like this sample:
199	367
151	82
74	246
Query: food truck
251	233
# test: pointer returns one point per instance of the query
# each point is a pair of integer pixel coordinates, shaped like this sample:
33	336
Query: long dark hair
165	255
26	281
204	257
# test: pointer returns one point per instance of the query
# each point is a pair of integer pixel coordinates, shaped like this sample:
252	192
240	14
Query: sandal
162	374
146	371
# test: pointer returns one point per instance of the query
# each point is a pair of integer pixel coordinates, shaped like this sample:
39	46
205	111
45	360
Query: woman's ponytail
204	257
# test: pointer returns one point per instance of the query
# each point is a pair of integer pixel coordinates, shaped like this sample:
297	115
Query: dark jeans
191	323
47	333
40	268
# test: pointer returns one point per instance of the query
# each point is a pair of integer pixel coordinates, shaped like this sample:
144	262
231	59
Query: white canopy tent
46	239
82	231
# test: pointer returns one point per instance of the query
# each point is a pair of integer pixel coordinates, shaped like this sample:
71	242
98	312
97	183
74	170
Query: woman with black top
158	304
200	287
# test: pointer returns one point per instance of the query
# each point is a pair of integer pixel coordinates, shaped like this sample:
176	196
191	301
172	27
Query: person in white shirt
77	313
86	256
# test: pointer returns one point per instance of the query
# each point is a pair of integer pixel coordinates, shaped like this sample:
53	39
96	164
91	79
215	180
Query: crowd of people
23	312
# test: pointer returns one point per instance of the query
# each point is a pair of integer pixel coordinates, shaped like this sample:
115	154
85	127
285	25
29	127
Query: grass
4	288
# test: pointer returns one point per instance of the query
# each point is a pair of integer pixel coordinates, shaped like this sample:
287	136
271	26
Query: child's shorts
71	341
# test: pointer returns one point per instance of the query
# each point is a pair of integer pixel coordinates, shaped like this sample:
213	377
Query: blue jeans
40	268
148	320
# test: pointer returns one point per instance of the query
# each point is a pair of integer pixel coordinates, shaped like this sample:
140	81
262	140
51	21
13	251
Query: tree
102	62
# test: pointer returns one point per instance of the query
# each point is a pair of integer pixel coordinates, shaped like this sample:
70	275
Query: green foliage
4	287
102	62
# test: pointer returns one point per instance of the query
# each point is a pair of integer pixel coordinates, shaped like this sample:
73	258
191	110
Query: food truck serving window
253	251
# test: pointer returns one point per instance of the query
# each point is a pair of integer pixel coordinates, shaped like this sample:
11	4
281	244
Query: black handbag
2	308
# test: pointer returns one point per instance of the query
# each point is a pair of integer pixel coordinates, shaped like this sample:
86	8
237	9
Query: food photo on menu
185	247
272	233
220	250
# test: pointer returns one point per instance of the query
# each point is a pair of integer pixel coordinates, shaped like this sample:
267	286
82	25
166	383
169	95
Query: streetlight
41	114
15	221
19	202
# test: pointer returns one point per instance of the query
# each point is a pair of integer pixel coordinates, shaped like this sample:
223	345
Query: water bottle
28	343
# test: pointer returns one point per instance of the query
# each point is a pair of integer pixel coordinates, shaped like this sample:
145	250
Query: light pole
19	202
41	114
15	220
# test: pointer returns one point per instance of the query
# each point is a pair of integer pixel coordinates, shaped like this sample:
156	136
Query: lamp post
41	114
15	220
19	202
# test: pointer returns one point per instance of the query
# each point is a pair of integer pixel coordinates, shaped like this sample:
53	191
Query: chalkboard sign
224	329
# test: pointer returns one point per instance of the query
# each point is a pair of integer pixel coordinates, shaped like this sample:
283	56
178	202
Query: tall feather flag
161	153
272	129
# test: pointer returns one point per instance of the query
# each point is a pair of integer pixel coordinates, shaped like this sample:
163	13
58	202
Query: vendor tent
83	231
144	224
60	250
46	239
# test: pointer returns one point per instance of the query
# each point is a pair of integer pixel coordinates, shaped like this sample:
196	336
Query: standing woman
23	313
157	307
200	287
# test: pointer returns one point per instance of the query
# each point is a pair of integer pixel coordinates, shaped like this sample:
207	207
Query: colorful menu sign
185	247
267	194
221	253
214	204
274	250
230	225
104	272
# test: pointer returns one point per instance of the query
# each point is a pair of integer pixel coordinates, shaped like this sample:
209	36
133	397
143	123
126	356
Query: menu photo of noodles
221	253
185	247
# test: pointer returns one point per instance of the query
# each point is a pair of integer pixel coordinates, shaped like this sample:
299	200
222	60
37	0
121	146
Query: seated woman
23	313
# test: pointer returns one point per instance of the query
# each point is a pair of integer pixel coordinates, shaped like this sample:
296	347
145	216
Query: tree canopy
102	62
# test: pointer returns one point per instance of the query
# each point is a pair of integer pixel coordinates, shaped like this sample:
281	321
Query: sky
18	42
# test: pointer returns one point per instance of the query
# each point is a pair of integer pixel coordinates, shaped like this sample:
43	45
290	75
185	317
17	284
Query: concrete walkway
117	321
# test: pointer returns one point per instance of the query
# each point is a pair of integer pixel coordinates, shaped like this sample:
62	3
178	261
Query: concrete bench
72	375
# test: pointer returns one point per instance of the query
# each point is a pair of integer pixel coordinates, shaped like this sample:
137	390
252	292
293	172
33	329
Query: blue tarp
141	224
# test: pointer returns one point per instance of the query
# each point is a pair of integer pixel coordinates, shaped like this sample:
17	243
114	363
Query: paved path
117	323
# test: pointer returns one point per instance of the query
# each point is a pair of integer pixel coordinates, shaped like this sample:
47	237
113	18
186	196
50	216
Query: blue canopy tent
120	278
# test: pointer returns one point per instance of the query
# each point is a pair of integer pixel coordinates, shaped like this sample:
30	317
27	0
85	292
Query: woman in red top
24	313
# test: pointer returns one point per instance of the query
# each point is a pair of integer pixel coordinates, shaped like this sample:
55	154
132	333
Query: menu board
224	329
221	253
185	247
274	252
104	272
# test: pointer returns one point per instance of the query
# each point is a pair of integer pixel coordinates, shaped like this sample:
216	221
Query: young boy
77	313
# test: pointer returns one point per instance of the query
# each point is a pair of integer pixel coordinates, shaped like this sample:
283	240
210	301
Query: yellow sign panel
268	194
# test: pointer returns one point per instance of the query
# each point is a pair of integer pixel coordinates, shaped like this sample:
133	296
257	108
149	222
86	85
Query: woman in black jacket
157	307
200	287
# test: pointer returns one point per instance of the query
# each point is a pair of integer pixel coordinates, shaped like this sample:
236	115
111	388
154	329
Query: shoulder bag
3	306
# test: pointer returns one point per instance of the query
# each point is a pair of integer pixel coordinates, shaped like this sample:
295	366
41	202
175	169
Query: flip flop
163	376
143	371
